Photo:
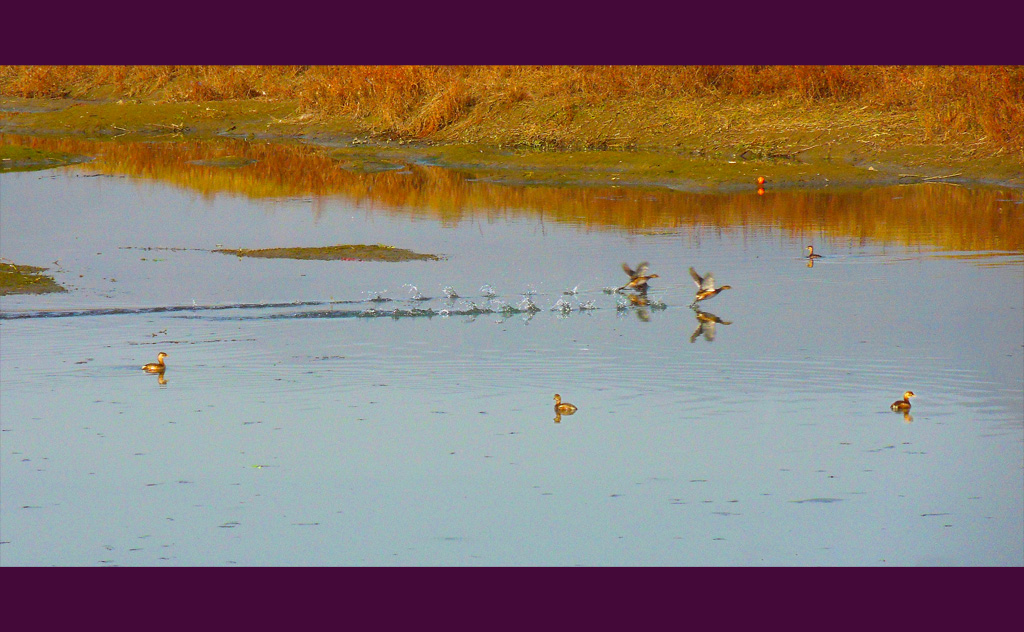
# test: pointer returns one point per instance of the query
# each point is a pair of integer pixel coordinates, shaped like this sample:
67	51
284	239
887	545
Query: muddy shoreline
25	279
824	159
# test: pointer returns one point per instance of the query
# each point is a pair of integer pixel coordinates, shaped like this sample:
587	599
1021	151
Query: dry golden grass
565	106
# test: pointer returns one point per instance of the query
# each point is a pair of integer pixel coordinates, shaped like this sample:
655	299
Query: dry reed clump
983	105
988	102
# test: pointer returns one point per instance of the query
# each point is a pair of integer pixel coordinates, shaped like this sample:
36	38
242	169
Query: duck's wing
628	270
642	269
696	277
708	283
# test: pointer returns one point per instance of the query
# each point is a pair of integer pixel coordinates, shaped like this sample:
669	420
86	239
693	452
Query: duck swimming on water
902	405
811	254
705	287
638	278
158	366
563	408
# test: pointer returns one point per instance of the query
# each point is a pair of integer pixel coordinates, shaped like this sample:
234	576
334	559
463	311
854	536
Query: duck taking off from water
158	366
563	408
705	287
902	405
638	278
811	254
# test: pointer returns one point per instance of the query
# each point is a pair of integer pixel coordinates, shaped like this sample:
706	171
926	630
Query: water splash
113	311
573	292
562	306
527	305
502	307
370	305
415	293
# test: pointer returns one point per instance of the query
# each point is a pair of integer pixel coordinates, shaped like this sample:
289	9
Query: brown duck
902	405
563	408
811	254
158	366
638	278
705	286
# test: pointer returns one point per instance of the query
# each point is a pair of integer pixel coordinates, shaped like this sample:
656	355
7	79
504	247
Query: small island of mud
21	158
18	279
342	252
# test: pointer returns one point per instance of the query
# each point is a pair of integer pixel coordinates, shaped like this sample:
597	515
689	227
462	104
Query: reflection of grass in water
358	252
951	218
17	279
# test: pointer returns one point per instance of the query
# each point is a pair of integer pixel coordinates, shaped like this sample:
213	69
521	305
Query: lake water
359	413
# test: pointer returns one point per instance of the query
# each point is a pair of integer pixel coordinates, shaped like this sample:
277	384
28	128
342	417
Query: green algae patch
18	279
341	252
19	158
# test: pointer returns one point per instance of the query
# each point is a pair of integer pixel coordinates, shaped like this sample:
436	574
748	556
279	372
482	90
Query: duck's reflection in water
640	301
706	322
161	380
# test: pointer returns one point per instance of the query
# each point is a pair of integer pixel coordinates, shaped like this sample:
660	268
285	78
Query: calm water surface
314	413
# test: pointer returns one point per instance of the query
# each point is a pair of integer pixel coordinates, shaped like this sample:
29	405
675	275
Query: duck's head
909	394
810	248
653	276
725	287
160	356
558	397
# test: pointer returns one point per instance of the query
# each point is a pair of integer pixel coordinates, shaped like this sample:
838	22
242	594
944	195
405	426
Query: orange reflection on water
946	217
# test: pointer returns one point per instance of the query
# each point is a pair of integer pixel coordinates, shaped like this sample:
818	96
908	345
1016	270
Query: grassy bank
846	122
